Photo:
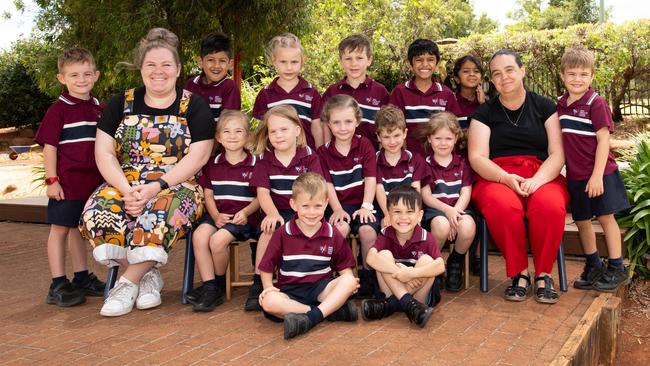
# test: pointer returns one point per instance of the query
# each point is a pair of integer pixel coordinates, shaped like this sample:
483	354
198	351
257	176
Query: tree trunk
237	70
617	114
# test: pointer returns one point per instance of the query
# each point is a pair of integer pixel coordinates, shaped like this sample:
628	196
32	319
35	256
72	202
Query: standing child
447	193
280	143
213	83
419	97
232	209
407	261
287	55
355	56
396	166
468	75
349	164
67	134
306	251
593	179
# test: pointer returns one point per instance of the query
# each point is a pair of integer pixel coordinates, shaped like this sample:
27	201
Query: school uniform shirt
346	172
466	107
303	97
303	259
418	107
370	95
579	121
409	168
220	95
230	184
446	182
271	174
421	243
70	125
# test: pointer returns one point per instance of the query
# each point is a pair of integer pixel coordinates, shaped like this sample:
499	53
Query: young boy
396	166
407	260
305	251
419	97
355	56
67	134
213	83
594	182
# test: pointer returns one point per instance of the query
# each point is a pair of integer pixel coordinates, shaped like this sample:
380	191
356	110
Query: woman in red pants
515	147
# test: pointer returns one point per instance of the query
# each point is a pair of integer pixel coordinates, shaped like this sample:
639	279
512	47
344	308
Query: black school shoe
253	300
64	295
211	297
589	275
347	313
367	284
90	286
611	279
296	324
194	295
454	276
376	309
418	313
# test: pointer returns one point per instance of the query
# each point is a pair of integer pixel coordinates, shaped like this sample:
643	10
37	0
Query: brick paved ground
470	328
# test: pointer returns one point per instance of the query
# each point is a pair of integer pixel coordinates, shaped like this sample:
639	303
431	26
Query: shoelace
148	283
119	292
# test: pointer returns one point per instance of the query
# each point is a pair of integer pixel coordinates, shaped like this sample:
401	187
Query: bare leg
343	227
201	246
465	235
279	304
587	236
367	236
612	235
56	249
336	293
219	244
134	272
77	250
421	293
262	243
440	229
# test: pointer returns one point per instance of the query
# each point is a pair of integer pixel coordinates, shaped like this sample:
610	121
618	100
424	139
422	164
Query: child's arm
453	214
379	263
594	186
465	197
219	219
267	282
273	216
317	132
107	163
428	270
417	185
369	187
54	190
241	217
338	213
380	196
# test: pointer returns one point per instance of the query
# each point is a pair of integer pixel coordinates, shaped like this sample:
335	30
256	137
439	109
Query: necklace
516	122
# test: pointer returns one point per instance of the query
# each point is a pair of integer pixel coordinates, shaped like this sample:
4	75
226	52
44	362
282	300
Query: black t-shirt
528	137
199	117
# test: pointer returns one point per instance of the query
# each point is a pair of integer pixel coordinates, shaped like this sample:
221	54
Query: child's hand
338	216
452	234
266	291
270	222
453	215
365	216
594	186
55	191
414	284
240	218
222	219
480	94
404	274
385	222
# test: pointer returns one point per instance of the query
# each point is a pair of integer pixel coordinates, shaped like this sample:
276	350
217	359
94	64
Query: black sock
211	282
257	280
315	315
393	303
593	260
58	280
80	276
455	257
616	263
221	282
404	301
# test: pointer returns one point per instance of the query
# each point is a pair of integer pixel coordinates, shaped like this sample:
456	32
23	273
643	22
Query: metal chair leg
188	268
111	277
561	268
483	244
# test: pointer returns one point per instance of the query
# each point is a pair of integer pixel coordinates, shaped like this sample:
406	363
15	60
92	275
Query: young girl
280	143
447	193
287	56
468	75
232	209
350	170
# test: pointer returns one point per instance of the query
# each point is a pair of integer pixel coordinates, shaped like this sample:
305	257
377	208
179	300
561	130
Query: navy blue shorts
614	198
240	232
304	293
430	213
65	212
356	223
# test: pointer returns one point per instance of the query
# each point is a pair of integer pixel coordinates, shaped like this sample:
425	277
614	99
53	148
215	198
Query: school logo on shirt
582	113
301	169
410	169
247	175
356	159
305	97
457	174
326	249
375	102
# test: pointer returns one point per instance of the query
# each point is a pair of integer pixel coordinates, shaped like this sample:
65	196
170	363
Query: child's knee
59	230
424	259
219	242
344	228
386	254
367	234
272	302
440	225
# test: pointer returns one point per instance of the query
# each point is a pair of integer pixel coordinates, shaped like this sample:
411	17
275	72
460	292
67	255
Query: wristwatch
368	206
51	180
163	185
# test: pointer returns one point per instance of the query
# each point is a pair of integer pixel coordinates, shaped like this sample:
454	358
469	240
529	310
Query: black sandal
546	294
515	292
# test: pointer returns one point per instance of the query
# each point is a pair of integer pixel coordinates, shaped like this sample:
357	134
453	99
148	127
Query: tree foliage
558	14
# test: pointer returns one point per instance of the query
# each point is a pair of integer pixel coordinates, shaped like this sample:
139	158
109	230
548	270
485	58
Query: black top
199	117
528	137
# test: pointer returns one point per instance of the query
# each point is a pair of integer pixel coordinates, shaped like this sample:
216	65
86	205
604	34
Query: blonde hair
389	118
437	122
285	40
155	38
73	56
230	114
577	57
261	139
340	101
311	183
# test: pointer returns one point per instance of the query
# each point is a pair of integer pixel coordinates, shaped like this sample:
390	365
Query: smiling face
577	80
310	210
392	141
423	66
342	123
287	62
79	78
159	72
507	76
283	133
469	75
215	65
355	64
442	142
232	134
404	219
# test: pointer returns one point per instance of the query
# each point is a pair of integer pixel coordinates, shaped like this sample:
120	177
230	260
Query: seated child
446	193
355	56
232	209
306	250
348	161
396	166
213	83
594	182
67	134
407	260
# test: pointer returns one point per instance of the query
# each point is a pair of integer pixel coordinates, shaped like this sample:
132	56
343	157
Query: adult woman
150	143
515	146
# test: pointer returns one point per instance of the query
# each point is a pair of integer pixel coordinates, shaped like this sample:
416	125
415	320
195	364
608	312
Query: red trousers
504	212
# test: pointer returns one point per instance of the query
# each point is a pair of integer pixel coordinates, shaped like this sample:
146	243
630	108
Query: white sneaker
120	299
150	286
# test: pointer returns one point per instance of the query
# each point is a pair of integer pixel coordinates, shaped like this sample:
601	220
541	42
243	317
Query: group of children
357	160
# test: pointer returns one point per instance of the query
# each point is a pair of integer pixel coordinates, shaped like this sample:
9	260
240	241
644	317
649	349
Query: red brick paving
469	328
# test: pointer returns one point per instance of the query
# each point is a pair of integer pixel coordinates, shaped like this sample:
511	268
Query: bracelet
51	180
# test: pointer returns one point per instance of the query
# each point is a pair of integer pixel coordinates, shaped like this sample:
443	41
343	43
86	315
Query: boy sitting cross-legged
307	250
407	261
